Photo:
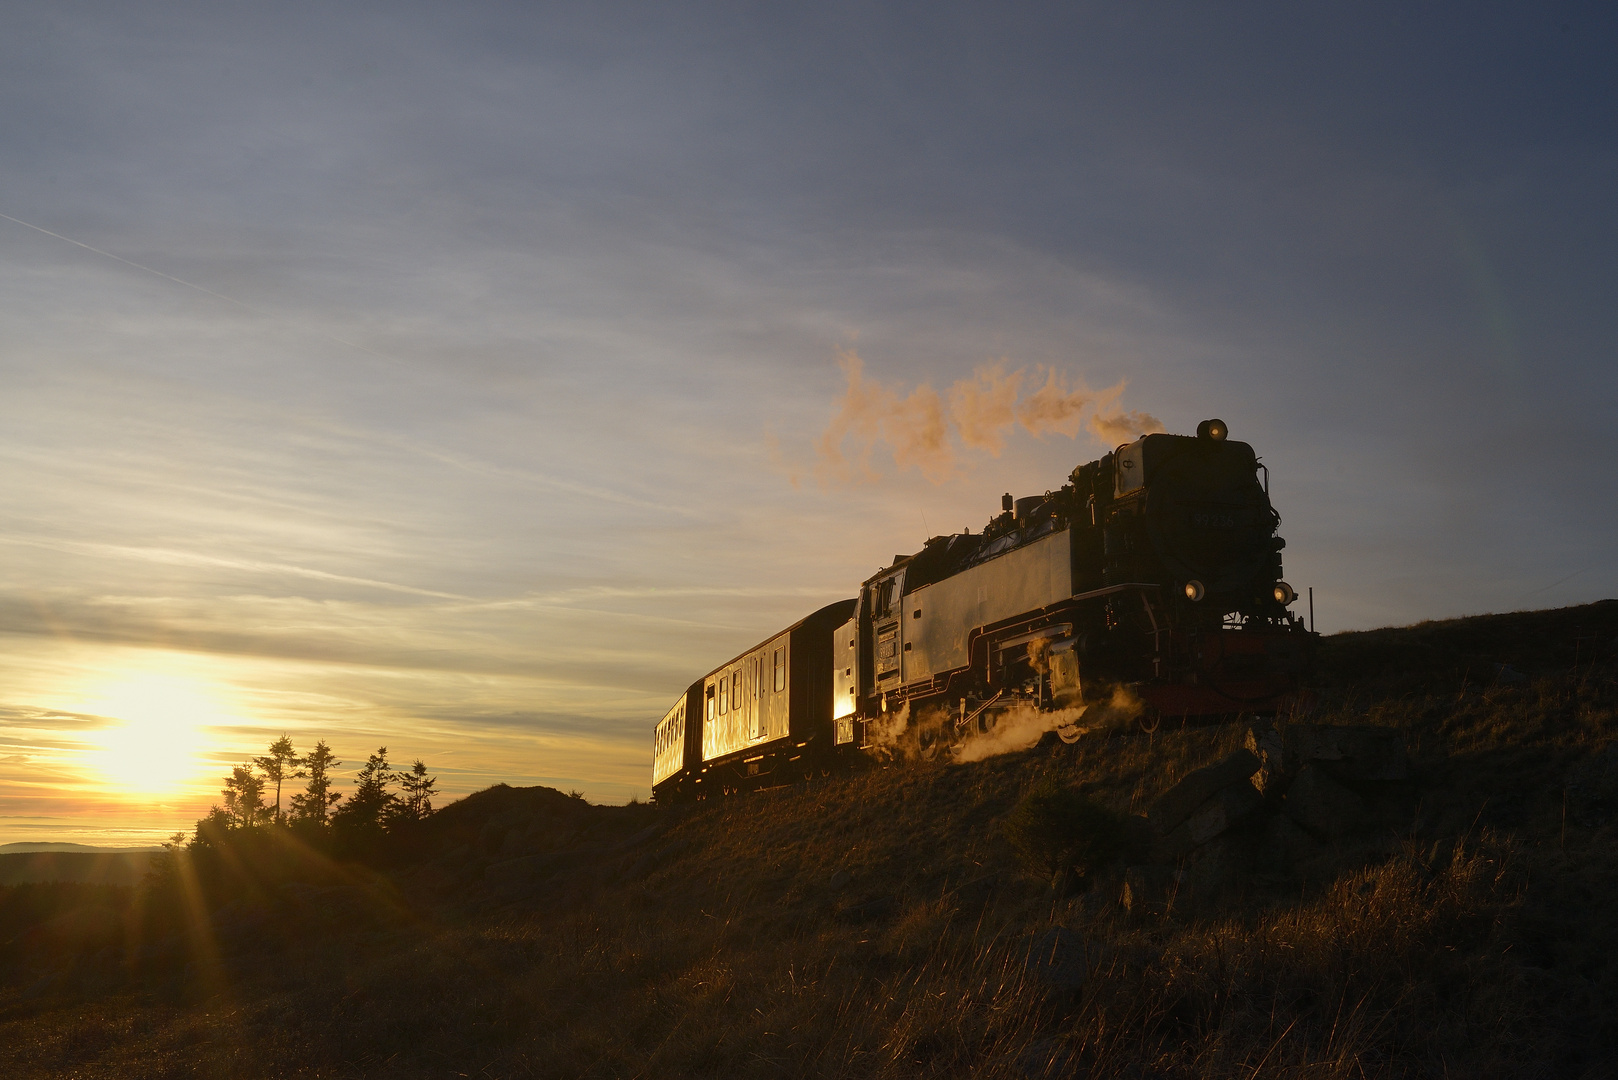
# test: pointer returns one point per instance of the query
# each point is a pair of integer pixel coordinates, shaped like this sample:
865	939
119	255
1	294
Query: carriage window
710	701
780	665
724	697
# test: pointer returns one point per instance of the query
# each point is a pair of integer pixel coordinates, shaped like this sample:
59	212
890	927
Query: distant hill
29	847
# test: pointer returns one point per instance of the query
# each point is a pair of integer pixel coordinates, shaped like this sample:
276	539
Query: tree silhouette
418	788
314	805
371	804
244	796
277	766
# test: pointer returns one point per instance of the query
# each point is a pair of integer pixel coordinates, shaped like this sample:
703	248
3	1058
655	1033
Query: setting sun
153	748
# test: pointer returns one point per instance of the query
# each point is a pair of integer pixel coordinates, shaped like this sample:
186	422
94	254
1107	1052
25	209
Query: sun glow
154	747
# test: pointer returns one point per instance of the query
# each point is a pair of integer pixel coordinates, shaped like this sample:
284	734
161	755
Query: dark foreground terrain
1453	914
90	867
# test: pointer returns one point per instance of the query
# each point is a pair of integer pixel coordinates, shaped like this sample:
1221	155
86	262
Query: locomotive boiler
1155	570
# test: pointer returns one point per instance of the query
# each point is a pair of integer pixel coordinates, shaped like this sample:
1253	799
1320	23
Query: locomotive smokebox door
1131	467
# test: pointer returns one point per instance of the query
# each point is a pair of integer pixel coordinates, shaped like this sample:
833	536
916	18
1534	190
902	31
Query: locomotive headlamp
1284	593
1195	591
1212	429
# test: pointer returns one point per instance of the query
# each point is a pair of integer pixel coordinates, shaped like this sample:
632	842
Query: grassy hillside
882	925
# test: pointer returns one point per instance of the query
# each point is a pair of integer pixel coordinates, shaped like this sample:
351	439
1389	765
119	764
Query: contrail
188	284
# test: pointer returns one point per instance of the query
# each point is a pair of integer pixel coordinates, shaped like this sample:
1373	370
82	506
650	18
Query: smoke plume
984	406
1053	407
982	410
1113	425
913	426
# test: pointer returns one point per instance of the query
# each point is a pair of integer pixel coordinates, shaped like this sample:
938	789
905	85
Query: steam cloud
1021	727
981	410
900	735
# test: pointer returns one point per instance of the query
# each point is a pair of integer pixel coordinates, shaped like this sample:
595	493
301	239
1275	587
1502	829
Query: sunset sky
467	378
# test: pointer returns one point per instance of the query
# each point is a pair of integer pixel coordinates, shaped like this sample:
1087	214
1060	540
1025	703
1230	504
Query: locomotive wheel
1149	721
927	744
1070	733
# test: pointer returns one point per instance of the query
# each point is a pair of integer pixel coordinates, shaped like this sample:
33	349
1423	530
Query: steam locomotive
1155	570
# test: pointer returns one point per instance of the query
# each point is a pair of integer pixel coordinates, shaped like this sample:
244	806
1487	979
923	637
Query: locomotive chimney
1006	503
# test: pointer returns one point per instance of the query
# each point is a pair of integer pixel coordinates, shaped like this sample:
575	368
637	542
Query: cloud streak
916	427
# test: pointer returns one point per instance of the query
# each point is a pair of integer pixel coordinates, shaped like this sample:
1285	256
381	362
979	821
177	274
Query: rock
1197	787
1592	788
1211	868
1267	744
1222	812
1506	675
1227	807
1361	751
1355	751
1322	805
1059	959
1286	844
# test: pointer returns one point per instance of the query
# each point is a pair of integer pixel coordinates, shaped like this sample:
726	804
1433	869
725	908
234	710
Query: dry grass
879	926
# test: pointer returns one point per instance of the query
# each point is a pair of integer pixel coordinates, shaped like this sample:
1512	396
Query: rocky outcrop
1347	751
1322	805
1218	814
1183	799
1281	802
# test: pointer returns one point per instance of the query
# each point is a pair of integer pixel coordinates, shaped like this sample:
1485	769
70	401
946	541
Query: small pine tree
277	766
418	789
313	807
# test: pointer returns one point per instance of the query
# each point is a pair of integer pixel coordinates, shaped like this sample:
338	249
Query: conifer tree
278	766
371	804
244	796
418	788
314	805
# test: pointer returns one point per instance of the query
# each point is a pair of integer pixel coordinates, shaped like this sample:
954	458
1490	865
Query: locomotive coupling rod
960	725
